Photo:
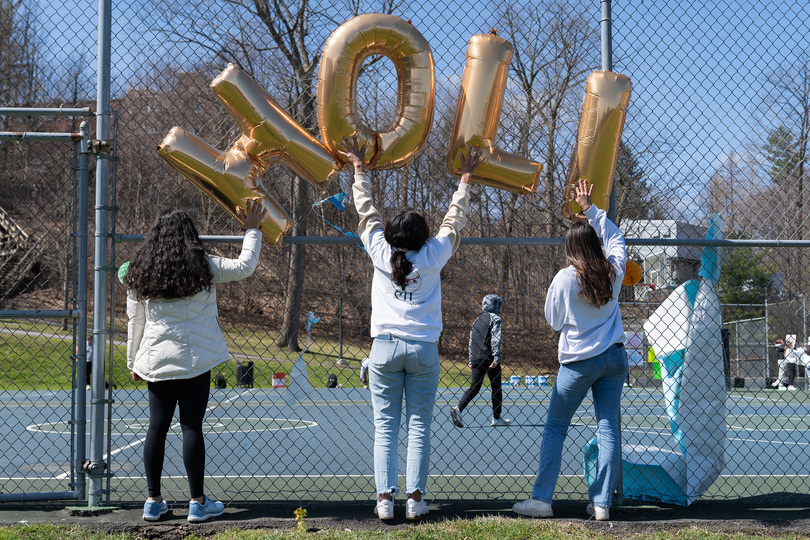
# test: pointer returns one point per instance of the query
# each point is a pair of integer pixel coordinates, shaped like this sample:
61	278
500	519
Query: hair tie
401	249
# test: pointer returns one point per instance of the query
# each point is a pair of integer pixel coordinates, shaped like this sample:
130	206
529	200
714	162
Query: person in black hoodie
485	360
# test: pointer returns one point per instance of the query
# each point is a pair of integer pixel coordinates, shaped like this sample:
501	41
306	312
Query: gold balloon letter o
343	55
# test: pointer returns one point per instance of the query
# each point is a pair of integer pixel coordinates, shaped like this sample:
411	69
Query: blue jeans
604	374
397	364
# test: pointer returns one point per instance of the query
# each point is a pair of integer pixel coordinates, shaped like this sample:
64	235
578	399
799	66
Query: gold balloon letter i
269	133
596	153
480	101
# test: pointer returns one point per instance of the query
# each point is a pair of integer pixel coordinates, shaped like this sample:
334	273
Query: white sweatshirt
588	330
416	312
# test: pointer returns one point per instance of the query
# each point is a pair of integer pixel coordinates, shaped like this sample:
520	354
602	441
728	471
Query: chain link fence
717	122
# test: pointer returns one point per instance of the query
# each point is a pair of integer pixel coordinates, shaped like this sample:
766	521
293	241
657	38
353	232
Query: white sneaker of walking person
533	508
791	387
384	508
455	414
415	509
499	422
600	513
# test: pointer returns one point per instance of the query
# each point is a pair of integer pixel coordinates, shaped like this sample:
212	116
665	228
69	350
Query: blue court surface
262	443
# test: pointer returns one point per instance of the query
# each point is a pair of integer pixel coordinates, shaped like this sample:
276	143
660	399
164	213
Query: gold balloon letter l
483	85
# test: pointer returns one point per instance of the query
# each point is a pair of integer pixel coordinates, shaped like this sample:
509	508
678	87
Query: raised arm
225	270
456	217
370	218
612	238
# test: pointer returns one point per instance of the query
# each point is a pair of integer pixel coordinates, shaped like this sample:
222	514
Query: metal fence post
80	415
96	467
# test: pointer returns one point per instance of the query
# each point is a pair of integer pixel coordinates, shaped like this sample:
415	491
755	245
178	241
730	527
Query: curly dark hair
171	262
594	273
408	230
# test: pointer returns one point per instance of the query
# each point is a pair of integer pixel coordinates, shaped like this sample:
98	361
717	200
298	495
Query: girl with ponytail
583	305
406	321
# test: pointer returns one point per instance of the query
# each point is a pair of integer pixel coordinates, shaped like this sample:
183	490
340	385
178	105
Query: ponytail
406	231
400	268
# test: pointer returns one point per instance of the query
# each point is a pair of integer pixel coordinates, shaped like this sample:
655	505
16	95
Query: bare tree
279	39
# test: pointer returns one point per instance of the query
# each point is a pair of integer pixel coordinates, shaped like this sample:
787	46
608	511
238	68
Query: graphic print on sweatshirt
412	284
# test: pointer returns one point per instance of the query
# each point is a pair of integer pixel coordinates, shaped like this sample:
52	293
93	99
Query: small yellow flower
300	514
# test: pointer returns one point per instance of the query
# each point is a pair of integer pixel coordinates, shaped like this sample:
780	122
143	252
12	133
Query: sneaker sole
152	518
206	517
412	517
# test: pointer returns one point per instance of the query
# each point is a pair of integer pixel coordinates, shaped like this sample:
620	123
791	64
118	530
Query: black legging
477	378
192	396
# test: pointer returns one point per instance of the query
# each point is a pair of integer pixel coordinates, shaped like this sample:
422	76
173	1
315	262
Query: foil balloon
601	122
341	60
229	177
632	274
483	85
269	132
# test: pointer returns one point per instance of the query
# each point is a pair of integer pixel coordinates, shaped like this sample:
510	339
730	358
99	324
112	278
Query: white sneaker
791	387
533	508
599	512
384	508
455	414
415	509
499	422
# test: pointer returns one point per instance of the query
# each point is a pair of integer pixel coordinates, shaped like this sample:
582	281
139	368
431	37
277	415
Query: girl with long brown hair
583	304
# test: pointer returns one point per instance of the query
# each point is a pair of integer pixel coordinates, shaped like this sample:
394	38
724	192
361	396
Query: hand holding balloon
583	194
470	162
253	214
354	154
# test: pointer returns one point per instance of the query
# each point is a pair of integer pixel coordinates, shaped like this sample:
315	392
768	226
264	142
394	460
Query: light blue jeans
604	374
397	365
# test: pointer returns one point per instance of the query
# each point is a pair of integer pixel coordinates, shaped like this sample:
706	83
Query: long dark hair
406	231
170	263
594	273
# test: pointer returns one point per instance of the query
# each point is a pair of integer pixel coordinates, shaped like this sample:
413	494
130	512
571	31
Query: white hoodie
416	312
588	330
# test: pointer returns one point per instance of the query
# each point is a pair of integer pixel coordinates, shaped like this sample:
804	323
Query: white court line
142	439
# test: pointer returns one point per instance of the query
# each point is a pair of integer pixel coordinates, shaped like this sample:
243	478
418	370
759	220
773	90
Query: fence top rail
46	111
39	136
495	241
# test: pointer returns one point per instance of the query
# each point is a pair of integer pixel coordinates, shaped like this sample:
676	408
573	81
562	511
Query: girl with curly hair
174	340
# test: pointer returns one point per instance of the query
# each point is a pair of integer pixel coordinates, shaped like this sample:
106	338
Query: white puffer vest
181	338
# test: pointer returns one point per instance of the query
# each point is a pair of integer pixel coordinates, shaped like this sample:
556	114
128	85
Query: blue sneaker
198	513
152	510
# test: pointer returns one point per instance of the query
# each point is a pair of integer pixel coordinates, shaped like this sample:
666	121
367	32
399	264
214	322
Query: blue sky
697	68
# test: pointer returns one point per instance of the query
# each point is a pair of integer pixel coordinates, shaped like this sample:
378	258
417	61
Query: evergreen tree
782	153
745	279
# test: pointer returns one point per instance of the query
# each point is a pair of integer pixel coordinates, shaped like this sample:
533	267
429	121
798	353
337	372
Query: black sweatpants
477	379
192	397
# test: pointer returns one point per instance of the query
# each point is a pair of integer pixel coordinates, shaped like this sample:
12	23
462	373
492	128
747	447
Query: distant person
89	361
582	304
364	372
779	345
174	340
792	356
484	360
406	322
